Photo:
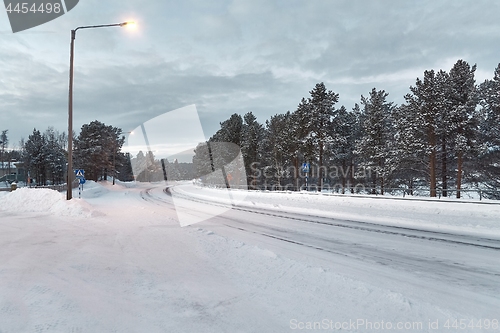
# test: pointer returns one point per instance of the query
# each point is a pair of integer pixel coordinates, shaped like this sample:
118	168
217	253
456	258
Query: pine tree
489	135
463	100
4	142
96	149
423	126
230	130
279	153
306	148
410	148
124	170
139	164
252	135
202	162
344	131
315	117
374	146
444	127
222	152
147	168
55	156
35	157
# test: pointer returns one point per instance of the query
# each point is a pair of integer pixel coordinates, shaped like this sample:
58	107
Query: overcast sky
231	56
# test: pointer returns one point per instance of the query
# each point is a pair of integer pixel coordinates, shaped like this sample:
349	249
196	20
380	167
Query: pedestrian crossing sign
80	173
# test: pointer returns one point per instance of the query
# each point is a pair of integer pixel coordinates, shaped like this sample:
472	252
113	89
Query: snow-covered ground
118	261
448	215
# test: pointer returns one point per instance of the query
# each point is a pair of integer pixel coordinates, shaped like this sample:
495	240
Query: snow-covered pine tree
96	149
444	128
340	152
35	157
489	135
252	135
55	156
124	167
410	148
201	161
306	149
230	130
279	151
424	102
463	118
315	116
4	142
139	164
356	135
374	146
273	150
224	147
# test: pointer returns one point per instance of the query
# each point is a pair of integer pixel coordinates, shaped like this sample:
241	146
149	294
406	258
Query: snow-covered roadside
301	297
39	200
435	215
132	268
42	201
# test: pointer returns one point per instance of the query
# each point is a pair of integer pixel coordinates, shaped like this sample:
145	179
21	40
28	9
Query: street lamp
69	190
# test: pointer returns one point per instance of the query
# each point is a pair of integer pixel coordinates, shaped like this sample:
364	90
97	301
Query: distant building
12	171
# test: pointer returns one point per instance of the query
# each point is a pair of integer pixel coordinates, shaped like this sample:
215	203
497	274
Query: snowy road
465	267
122	263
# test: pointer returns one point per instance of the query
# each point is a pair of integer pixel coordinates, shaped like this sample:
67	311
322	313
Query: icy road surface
118	261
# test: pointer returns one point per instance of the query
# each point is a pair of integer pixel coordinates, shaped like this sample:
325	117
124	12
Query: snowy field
119	261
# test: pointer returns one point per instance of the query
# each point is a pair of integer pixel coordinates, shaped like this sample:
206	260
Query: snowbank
476	218
43	201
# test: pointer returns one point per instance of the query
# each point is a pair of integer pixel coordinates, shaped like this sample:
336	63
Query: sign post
305	168
80	174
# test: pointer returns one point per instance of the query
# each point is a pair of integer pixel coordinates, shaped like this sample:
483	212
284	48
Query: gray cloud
232	56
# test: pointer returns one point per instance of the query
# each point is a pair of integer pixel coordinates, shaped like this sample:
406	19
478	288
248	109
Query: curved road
435	267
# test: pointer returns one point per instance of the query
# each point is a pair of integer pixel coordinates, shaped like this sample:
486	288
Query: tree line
444	137
97	150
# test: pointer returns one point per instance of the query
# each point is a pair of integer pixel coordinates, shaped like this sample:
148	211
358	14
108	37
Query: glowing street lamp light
69	189
129	25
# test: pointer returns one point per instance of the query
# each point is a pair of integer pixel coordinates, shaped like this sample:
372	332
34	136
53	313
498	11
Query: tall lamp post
69	190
